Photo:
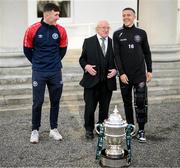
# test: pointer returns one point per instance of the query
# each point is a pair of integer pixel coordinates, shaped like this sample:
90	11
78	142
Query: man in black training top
133	60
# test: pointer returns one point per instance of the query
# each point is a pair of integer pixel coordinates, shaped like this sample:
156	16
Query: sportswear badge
137	38
55	36
40	36
123	39
120	35
35	83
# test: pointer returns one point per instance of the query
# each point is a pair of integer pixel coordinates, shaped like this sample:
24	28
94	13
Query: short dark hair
131	9
50	6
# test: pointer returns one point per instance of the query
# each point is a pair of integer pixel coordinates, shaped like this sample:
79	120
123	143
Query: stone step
72	56
74	108
165	82
76	96
66	98
68	69
24	89
16	58
13	60
163	91
15	79
28	71
160	73
15	71
164	73
75	77
166	65
79	108
70	87
24	79
72	53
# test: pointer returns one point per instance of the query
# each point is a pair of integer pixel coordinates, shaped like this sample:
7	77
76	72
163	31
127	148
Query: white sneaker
34	137
54	133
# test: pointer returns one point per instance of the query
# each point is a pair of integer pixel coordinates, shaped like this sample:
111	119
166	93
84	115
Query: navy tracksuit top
45	46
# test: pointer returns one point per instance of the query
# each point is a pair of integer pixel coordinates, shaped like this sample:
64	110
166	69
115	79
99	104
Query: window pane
64	6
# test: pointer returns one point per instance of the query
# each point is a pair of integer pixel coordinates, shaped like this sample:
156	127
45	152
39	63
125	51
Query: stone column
13	15
161	20
13	22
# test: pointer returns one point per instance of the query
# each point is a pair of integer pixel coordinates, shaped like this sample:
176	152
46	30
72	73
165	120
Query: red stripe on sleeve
30	34
63	36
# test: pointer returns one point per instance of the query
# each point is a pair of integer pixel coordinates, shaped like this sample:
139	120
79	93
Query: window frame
32	13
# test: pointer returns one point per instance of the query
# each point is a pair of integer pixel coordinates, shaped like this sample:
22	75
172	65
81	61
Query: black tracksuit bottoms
140	102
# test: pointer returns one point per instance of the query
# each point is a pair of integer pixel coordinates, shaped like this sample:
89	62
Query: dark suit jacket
91	54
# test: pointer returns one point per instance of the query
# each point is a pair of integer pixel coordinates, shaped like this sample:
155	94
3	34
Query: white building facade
160	18
17	15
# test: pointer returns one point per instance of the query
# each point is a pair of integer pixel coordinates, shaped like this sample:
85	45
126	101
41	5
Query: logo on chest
123	39
55	36
137	38
40	36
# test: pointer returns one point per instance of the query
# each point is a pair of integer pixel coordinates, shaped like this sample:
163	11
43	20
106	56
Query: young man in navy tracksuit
45	44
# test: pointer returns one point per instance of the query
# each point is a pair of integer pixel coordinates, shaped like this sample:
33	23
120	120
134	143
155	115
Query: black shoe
141	136
89	135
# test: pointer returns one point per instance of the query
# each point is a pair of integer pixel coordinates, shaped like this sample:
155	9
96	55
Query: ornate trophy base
114	161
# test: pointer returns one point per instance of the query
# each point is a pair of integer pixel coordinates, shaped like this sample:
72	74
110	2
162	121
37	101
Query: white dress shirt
105	41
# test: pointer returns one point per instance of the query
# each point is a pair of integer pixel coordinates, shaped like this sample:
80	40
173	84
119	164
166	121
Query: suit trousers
53	80
92	96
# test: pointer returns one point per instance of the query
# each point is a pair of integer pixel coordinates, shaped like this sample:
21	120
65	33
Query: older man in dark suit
97	61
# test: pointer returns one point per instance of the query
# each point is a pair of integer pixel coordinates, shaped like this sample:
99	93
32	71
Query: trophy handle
134	129
100	133
132	132
97	126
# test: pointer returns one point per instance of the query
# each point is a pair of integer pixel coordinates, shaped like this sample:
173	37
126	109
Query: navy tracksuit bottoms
54	83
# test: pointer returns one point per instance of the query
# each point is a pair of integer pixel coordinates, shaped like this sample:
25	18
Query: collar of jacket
45	24
128	28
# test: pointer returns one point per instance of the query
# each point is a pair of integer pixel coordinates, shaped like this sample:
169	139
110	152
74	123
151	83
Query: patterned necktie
103	46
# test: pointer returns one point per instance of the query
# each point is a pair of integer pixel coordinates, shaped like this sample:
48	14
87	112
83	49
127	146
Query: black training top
132	53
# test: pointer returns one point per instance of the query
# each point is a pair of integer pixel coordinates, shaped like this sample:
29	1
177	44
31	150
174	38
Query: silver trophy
114	130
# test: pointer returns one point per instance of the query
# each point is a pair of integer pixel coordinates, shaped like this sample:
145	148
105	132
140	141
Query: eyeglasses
104	28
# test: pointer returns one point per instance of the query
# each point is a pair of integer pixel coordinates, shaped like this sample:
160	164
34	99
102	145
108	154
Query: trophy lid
115	119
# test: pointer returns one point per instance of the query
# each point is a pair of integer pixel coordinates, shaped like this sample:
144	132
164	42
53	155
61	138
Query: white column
160	18
13	16
13	22
0	24
178	23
